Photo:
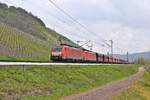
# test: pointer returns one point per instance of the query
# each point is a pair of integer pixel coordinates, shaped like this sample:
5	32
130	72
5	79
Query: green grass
54	82
7	58
138	91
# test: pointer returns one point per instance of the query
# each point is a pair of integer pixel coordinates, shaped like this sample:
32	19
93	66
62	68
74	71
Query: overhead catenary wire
75	21
81	25
71	19
63	11
65	21
66	30
76	35
59	26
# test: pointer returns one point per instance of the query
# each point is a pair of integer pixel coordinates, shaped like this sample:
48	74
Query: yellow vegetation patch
144	92
138	91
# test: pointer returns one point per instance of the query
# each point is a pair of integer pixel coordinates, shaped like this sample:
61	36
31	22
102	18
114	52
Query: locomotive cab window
57	49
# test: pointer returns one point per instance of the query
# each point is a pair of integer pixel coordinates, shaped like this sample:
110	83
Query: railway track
46	64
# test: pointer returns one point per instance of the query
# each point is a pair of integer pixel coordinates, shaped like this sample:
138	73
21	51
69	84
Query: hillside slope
24	36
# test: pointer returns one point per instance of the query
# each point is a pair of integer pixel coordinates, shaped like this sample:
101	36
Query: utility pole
111	47
107	53
91	47
127	56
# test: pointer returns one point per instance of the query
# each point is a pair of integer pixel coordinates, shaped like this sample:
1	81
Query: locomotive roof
78	47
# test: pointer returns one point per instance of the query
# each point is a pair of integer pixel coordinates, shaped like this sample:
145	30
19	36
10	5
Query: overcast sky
127	22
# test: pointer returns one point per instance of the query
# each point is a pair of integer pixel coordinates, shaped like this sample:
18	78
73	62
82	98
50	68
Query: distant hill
135	56
24	36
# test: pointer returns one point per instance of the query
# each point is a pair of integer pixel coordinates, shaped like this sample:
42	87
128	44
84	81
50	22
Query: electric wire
73	19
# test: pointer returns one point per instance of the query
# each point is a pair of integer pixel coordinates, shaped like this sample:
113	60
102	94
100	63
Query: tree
148	62
140	60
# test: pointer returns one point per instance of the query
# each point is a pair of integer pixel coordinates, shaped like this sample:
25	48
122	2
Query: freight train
67	53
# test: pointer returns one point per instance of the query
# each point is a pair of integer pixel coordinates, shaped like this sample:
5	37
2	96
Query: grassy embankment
138	91
7	58
36	83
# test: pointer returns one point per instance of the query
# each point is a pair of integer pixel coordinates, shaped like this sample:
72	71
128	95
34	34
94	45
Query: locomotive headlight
56	53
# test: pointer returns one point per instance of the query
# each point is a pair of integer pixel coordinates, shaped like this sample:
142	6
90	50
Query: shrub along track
108	91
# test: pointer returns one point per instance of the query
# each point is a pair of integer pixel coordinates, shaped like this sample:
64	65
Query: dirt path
108	91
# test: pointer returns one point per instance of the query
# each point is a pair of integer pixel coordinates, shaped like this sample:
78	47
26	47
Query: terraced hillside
24	36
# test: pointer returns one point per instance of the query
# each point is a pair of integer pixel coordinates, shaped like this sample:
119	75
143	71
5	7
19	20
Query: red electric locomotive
72	54
66	53
88	56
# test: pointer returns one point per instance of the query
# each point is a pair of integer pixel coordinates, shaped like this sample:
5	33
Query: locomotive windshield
57	49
